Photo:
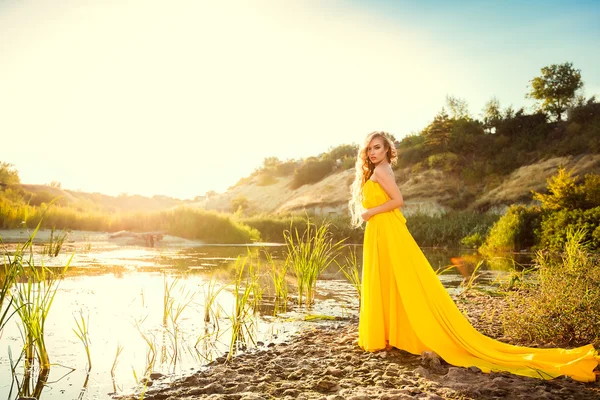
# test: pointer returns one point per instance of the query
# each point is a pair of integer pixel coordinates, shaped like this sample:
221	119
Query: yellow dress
404	304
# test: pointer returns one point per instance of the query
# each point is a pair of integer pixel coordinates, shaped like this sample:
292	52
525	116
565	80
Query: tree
459	109
555	88
491	115
8	175
437	134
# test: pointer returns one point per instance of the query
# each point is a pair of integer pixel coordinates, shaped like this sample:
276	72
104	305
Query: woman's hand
366	215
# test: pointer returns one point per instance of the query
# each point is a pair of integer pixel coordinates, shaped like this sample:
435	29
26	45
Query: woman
403	302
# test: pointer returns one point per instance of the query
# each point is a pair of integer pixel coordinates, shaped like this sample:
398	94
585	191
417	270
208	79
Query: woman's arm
385	177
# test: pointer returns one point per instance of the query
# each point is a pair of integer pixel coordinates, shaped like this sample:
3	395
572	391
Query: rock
422	371
333	371
327	385
294	376
211	388
156	375
291	392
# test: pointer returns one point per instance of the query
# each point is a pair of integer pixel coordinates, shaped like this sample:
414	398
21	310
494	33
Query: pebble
316	366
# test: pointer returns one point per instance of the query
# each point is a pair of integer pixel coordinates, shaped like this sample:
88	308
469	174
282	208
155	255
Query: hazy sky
180	97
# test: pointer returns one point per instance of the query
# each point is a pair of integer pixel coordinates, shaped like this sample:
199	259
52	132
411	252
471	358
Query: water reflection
165	311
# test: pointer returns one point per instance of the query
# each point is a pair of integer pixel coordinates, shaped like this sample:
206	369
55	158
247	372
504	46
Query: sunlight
168	96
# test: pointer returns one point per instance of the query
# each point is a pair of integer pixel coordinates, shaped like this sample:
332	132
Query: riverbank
324	362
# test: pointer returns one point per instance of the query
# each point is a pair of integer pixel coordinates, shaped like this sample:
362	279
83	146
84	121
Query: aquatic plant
114	366
81	331
55	244
8	277
278	273
350	269
211	291
241	319
33	297
309	254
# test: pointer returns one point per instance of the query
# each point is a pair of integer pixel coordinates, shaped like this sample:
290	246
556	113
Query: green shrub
515	230
444	161
311	171
584	113
340	152
208	226
347	163
554	227
271	228
473	241
562	306
448	230
565	192
8	174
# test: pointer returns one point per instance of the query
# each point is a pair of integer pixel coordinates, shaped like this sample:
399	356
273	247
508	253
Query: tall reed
350	269
241	320
175	310
81	331
309	254
8	277
114	366
55	244
33	298
278	273
211	292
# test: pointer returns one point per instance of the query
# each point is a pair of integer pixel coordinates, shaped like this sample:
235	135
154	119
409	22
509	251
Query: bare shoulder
384	172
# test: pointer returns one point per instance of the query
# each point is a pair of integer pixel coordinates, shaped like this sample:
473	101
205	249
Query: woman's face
376	150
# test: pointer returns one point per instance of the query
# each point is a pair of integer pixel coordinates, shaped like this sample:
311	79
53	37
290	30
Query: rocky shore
324	362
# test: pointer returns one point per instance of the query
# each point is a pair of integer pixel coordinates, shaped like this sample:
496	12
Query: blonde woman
404	304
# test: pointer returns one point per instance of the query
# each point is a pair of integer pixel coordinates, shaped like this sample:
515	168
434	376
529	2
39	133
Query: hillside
427	191
38	194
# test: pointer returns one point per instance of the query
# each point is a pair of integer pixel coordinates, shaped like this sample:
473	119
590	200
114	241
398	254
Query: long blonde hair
364	169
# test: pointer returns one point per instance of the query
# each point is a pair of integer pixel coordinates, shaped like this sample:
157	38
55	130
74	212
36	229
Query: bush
271	228
563	306
342	151
448	230
8	175
444	161
515	230
554	227
311	171
585	113
411	151
473	241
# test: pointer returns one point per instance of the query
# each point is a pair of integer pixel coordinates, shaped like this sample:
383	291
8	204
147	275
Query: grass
350	269
449	229
309	254
560	304
114	366
55	244
81	331
278	273
209	226
33	298
245	287
211	292
8	278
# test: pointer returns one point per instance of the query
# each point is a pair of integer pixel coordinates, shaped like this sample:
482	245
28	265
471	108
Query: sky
181	97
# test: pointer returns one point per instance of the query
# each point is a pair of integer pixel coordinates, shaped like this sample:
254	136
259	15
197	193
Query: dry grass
518	185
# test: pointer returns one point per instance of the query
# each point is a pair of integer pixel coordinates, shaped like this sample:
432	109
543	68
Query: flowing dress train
403	303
